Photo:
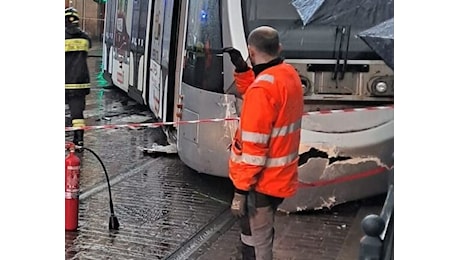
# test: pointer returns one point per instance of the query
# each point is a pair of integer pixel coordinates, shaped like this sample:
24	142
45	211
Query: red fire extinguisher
72	188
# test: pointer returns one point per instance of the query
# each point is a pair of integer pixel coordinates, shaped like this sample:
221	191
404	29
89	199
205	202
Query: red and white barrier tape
151	125
158	124
347	110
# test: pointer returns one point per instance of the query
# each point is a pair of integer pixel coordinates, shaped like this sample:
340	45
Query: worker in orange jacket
264	153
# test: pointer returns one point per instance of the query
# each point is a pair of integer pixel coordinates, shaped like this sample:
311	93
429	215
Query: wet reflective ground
158	208
168	211
159	202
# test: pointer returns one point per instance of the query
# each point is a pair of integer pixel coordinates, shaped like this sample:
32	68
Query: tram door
204	147
137	50
162	58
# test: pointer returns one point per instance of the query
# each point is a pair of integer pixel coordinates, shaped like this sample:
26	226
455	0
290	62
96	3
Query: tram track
332	232
208	233
211	231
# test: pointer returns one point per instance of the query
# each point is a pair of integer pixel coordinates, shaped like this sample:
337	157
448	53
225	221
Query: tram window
121	41
203	69
135	24
110	21
168	16
143	24
317	40
274	10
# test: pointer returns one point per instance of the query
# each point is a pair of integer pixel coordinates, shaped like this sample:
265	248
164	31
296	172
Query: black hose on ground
113	220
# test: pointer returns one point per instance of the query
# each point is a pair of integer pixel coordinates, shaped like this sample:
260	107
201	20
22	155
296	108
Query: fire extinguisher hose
113	220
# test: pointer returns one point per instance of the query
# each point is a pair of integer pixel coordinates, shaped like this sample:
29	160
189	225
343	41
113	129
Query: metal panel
190	131
211	154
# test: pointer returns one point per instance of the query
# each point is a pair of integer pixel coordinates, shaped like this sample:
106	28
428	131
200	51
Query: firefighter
264	153
77	80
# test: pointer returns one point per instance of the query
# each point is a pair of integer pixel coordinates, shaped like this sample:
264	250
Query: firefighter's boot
78	139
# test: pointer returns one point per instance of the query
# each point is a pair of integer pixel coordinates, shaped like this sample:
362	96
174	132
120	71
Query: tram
167	54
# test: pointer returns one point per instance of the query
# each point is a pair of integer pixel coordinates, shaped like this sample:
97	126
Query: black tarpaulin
307	8
360	13
380	38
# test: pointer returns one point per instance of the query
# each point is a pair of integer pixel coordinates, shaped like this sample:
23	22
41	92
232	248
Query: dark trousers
77	104
257	232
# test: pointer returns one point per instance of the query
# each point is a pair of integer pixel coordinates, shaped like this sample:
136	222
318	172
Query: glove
237	59
244	203
238	207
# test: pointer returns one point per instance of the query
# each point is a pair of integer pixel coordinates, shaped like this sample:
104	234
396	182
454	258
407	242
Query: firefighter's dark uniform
77	80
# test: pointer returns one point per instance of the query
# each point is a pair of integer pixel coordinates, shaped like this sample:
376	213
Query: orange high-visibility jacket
264	154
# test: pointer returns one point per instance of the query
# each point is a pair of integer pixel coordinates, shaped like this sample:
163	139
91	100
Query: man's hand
237	59
238	207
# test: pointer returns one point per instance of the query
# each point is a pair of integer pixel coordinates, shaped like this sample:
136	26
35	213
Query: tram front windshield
310	41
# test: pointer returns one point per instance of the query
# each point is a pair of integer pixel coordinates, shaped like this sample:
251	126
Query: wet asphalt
158	201
168	211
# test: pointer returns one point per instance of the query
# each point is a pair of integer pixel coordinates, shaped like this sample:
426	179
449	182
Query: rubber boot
78	139
247	252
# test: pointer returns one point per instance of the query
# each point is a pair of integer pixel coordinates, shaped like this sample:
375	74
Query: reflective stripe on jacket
264	154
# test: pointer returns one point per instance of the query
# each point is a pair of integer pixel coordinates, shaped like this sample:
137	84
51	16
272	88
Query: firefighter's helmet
71	15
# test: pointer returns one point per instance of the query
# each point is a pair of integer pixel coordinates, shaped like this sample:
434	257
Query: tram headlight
381	87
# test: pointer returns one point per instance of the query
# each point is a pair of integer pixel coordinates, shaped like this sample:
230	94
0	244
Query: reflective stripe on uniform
72	13
77	86
247	240
285	130
248	159
78	122
259	138
265	77
262	160
281	161
76	45
253	137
